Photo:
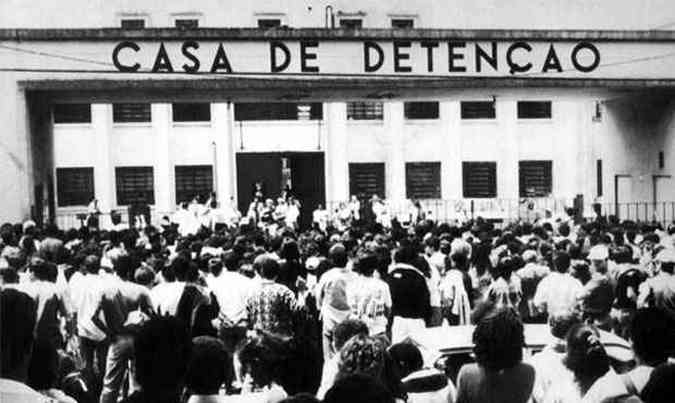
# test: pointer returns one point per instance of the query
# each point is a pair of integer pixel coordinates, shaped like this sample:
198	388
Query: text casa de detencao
398	56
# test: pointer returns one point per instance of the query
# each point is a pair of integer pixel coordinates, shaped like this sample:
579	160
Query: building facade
474	105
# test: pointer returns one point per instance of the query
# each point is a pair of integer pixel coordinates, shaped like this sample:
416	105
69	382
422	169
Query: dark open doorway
303	170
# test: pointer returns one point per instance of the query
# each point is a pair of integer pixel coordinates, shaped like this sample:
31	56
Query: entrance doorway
302	172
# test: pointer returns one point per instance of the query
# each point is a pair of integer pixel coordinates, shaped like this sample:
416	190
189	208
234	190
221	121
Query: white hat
598	252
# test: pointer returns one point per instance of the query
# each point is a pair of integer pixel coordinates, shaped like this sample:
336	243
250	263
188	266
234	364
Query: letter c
115	57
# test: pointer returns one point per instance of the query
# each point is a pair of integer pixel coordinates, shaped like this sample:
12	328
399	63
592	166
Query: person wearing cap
659	290
531	275
598	255
331	295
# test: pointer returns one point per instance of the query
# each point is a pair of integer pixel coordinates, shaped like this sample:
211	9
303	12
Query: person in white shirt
87	291
558	291
320	217
292	212
355	207
369	298
332	295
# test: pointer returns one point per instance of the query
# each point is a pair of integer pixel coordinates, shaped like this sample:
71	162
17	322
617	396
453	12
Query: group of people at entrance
196	312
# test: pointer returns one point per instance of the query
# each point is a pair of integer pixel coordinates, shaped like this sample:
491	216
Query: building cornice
234	34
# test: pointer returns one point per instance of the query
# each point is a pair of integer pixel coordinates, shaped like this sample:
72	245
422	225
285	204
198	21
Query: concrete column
395	165
224	170
507	162
104	172
165	195
451	164
337	170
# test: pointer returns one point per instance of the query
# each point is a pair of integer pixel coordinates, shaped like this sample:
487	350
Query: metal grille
535	178
187	23
423	180
421	110
366	179
268	23
135	185
365	110
478	110
278	111
534	109
133	23
193	180
74	186
402	23
131	113
191	112
479	179
351	23
72	113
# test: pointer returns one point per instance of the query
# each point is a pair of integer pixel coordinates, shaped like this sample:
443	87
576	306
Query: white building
458	101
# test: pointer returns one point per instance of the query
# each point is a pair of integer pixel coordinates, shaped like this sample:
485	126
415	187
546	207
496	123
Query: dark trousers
93	355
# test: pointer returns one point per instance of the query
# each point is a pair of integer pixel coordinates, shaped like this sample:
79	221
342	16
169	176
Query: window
534	110
74	186
193	180
366	179
278	111
269	23
134	185
187	112
364	110
479	179
351	23
478	110
421	110
131	113
598	176
423	180
402	23
132	23
72	113
186	23
535	178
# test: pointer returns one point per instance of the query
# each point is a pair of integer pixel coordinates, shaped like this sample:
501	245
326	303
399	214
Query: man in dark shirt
409	295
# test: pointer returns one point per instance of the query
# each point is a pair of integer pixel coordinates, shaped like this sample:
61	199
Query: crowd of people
260	310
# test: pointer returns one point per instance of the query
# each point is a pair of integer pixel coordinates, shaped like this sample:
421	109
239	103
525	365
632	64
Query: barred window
132	23
72	113
193	180
278	111
402	23
478	110
131	113
74	186
365	110
479	179
191	112
421	110
534	109
535	178
423	180
186	23
351	23
135	185
268	23
366	179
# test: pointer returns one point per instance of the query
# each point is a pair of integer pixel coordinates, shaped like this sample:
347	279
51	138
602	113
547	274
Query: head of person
338	255
262	357
162	348
362	354
561	322
651	333
92	264
184	269
16	341
366	263
405	253
598	257
666	261
561	262
208	367
431	245
266	266
407	357
358	388
586	356
347	329
42	270
499	339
